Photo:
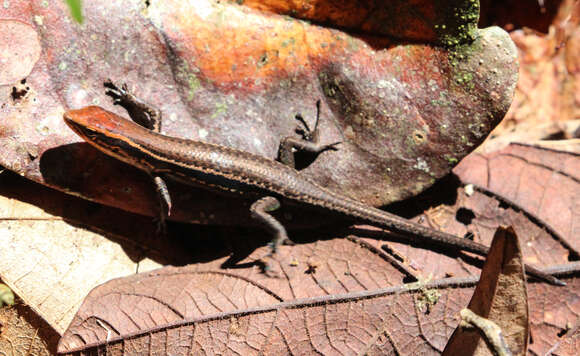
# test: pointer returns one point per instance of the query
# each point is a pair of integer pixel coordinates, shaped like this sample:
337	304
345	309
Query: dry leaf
549	74
501	297
50	263
183	311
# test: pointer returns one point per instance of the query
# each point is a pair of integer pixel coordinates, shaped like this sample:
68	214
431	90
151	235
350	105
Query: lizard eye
91	135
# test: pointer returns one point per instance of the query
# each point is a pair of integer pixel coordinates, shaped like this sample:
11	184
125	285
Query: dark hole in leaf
18	93
263	60
562	332
469	235
419	136
409	279
464	216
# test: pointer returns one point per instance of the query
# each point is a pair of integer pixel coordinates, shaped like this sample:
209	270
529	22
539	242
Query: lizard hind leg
308	143
260	211
164	204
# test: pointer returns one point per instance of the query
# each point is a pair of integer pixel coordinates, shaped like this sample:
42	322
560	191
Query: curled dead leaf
499	302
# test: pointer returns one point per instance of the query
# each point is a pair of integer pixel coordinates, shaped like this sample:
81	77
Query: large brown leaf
194	310
187	311
406	110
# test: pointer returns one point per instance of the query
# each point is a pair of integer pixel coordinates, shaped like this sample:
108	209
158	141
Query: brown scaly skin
237	172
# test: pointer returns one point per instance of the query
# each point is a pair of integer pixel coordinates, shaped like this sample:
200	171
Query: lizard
139	142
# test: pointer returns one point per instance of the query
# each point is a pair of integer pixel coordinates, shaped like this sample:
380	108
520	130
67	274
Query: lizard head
95	119
108	132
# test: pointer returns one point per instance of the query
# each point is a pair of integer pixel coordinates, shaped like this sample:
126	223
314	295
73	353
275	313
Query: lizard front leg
149	117
140	112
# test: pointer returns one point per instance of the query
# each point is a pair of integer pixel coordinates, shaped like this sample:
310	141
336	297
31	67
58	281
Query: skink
212	166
